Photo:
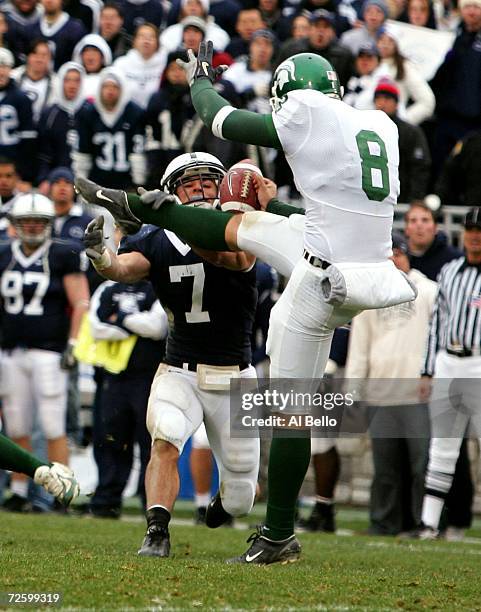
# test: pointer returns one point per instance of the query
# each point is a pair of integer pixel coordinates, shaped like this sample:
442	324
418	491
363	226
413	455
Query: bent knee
166	422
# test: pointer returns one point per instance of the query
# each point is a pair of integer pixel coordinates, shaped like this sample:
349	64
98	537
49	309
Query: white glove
94	242
189	66
155	198
59	481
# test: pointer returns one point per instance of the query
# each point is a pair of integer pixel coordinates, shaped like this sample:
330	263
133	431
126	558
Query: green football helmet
304	71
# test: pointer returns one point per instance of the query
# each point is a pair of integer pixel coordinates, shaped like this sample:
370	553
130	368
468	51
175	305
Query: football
237	191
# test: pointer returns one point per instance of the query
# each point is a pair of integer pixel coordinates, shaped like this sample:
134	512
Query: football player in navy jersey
40	279
111	135
212	296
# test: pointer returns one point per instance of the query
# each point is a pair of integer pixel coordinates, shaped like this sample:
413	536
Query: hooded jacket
57	135
142	75
111	142
91	80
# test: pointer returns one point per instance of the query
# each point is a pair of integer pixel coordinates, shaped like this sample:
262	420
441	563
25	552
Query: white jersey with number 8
345	165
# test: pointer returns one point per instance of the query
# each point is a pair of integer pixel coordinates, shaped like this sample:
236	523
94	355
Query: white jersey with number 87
345	164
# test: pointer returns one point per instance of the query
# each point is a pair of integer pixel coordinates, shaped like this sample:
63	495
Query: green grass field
94	564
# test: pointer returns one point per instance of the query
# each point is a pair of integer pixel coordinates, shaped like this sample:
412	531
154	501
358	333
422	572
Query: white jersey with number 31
345	165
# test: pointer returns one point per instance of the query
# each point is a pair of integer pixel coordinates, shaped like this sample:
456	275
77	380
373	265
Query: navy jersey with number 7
213	308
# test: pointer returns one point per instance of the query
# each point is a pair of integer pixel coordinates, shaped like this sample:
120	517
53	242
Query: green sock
16	459
198	226
288	462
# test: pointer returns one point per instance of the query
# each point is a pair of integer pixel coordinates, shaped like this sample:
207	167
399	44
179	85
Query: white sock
202	500
432	508
158	506
19	487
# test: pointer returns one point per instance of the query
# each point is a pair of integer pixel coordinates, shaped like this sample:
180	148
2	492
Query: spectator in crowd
344	13
411	84
360	86
40	280
225	12
8	182
419	13
274	18
193	32
459	182
171	37
111	135
248	21
4	38
57	133
251	76
389	343
62	31
457	86
93	53
136	13
121	311
111	29
70	221
375	13
300	26
414	155
322	41
452	357
22	16
428	248
86	11
8	191
143	65
35	77
169	114
17	132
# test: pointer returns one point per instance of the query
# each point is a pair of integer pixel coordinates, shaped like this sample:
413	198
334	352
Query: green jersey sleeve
230	123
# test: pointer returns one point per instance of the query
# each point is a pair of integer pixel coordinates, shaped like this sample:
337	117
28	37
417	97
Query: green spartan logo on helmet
304	71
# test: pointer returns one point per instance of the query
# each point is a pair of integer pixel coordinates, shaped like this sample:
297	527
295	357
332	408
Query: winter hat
380	5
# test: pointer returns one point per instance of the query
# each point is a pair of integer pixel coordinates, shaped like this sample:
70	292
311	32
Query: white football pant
33	379
177	408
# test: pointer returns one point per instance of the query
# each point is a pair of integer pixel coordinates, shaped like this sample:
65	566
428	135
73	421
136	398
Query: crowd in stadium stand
92	89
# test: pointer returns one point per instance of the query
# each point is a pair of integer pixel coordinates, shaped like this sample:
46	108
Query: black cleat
17	503
322	519
215	515
114	200
263	551
156	542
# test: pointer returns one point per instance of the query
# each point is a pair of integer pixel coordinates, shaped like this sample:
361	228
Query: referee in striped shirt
453	355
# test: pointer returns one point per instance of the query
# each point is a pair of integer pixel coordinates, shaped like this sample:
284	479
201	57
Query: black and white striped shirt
456	320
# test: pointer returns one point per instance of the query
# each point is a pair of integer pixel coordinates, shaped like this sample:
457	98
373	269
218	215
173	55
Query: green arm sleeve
200	227
276	207
240	126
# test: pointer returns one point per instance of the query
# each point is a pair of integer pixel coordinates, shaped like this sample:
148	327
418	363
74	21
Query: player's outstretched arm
224	120
127	268
56	478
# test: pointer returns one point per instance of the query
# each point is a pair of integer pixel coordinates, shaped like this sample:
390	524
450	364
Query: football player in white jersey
345	164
